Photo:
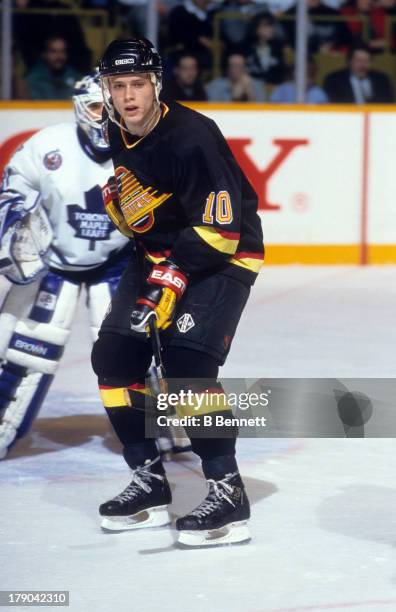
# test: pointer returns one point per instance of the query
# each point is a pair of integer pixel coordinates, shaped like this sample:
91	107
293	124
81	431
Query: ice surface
323	511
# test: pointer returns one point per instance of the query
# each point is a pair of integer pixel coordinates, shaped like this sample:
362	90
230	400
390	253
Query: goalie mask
88	102
133	56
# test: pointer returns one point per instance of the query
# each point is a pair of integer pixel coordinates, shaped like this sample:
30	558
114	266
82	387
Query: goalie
55	238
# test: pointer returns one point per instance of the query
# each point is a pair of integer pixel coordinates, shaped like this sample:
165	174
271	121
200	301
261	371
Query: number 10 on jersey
218	206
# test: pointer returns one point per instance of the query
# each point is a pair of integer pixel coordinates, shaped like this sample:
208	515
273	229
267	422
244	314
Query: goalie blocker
25	238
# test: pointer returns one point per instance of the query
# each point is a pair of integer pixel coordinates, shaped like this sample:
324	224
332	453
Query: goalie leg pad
98	301
101	292
43	329
46	299
21	397
36	336
10	378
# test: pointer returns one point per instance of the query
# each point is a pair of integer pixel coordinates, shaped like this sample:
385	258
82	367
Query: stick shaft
156	346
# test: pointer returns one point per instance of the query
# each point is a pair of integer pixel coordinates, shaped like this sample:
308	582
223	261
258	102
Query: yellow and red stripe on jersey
249	261
225	242
156	256
116	397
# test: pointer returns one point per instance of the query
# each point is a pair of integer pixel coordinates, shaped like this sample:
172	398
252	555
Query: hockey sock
125	407
136	454
218	467
211	448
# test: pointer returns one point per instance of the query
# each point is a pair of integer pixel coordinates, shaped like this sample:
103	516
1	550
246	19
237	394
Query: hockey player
55	237
178	188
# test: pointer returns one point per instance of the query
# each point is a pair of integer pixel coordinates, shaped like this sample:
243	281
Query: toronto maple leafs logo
90	223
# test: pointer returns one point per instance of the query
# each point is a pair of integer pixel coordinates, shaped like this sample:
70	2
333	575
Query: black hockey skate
144	502
221	518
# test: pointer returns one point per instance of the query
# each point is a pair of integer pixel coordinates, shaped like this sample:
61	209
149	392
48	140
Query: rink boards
324	175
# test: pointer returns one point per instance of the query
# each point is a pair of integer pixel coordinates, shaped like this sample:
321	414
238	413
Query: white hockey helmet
87	95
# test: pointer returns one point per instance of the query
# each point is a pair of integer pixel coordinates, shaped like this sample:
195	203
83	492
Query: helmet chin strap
157	85
151	122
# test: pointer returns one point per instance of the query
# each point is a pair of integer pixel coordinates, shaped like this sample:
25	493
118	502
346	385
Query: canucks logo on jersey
137	203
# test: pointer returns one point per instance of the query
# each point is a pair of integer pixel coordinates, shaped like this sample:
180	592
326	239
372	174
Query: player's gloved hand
25	237
11	215
164	288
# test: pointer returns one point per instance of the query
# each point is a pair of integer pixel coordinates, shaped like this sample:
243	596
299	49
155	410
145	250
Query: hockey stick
177	432
160	385
156	346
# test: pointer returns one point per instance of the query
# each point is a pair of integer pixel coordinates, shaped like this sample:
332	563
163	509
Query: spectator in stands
185	83
276	7
30	29
388	8
19	86
237	86
265	50
324	36
190	29
133	16
52	78
374	16
286	92
357	83
234	29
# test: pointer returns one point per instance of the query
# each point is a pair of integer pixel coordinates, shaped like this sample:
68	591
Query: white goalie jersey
54	165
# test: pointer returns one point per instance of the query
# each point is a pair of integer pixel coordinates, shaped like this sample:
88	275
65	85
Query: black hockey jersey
180	192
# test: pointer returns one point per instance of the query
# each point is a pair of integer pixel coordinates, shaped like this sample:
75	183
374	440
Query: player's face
133	97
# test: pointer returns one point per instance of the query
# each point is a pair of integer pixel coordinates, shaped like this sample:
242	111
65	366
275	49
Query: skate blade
152	517
235	533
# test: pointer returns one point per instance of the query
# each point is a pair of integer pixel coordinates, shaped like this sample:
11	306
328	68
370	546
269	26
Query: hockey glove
25	237
11	219
164	288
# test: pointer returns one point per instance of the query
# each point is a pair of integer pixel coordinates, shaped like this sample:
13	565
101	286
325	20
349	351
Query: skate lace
140	477
219	490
